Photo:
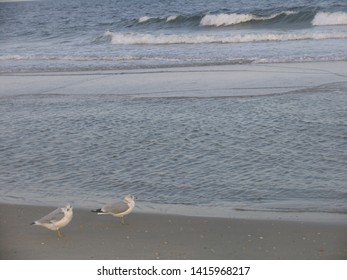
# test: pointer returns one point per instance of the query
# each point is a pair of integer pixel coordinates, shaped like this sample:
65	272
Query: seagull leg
122	220
59	234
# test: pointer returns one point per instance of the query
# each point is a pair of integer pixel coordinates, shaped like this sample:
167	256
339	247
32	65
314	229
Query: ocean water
90	35
284	152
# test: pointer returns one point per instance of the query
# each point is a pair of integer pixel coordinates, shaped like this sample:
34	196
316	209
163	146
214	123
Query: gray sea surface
76	35
75	127
285	152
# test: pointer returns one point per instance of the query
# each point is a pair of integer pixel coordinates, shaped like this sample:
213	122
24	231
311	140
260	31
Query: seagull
119	209
57	219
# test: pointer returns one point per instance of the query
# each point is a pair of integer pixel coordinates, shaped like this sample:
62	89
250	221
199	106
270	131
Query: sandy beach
164	236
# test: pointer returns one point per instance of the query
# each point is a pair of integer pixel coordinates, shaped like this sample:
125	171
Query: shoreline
204	211
168	67
168	236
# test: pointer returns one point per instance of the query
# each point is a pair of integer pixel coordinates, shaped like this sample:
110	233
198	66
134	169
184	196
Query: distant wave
148	18
232	19
226	19
213	19
119	38
337	18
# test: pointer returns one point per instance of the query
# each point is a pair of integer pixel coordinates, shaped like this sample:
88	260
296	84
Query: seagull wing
52	217
116	208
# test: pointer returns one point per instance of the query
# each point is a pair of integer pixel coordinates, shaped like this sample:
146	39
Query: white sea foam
225	19
148	18
144	19
118	38
171	18
11	57
323	18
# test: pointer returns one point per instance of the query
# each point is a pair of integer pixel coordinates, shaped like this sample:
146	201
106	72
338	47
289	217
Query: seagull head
129	198
68	208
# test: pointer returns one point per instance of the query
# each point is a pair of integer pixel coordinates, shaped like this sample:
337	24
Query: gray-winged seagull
119	209
57	219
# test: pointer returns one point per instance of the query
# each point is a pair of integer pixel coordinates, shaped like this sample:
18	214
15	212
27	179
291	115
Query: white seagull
57	219
119	209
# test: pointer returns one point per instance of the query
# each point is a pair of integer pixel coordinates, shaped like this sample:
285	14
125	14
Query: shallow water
280	152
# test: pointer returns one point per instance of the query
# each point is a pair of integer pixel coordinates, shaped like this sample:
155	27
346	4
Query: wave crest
325	18
229	19
148	18
144	19
225	19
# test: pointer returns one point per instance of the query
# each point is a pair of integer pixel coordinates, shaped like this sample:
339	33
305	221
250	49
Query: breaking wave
230	19
337	18
119	38
148	18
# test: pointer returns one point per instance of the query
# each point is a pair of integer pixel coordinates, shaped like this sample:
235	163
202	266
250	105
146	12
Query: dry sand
164	236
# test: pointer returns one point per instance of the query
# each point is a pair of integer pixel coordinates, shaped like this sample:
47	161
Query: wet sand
168	237
208	81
